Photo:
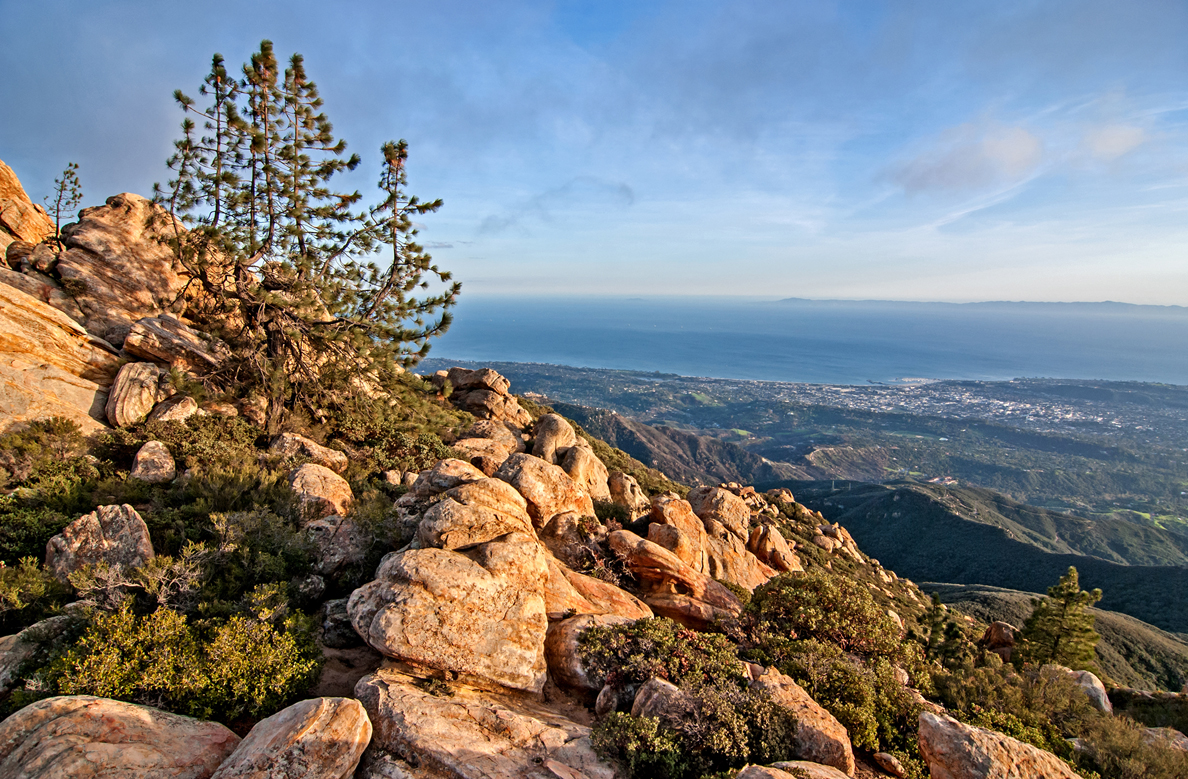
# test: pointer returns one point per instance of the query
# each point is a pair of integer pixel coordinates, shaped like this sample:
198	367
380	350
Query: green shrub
245	667
25	530
641	746
201	440
626	655
826	607
27	593
1115	747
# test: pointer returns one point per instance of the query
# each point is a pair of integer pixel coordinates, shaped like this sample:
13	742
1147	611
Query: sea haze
826	342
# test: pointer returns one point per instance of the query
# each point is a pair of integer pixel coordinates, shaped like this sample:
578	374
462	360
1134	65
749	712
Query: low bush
826	607
1119	748
226	670
627	655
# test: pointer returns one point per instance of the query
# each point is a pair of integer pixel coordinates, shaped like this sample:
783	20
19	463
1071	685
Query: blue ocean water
827	342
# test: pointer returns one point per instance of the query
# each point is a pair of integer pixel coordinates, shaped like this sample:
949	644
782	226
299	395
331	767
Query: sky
946	150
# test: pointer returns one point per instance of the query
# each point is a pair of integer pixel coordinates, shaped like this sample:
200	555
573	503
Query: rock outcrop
320	492
1089	684
626	492
321	738
115	535
770	548
954	750
20	218
820	738
724	506
50	365
135	391
472	514
165	340
481	614
121	266
547	488
469	735
484	394
153	463
293	445
83	736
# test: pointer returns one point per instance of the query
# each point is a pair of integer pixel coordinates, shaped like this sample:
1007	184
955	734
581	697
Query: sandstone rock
1169	738
663	700
562	600
690	544
338	542
21	647
17	251
608	700
483	378
785	767
484	617
572	538
553	438
474	735
115	535
473	514
178	408
163	339
626	492
673	588
218	408
320	491
890	764
728	560
321	738
20	218
292	445
133	394
954	750
584	467
606	598
82	736
677	542
125	271
825	542
50	365
819	736
443	476
724	506
153	464
769	546
1094	690
548	489
561	650
483	453
498	432
782	494
43	288
999	638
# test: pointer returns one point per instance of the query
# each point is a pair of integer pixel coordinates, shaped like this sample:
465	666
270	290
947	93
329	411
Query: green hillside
1131	652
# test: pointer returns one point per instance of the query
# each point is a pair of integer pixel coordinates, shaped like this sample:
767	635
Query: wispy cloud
971	157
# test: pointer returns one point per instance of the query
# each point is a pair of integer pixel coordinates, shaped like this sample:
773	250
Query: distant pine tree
1060	628
66	197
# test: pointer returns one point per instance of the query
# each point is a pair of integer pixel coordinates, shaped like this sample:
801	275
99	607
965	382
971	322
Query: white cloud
971	157
1110	142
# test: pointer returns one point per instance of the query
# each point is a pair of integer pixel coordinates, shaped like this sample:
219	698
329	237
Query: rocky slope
460	655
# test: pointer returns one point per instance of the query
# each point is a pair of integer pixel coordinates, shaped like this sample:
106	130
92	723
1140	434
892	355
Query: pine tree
66	197
1060	628
286	263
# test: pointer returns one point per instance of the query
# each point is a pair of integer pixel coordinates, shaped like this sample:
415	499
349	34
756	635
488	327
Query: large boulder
770	548
561	650
50	365
498	432
320	491
320	738
153	464
553	438
689	540
728	560
164	339
115	535
663	700
470	735
723	506
178	408
20	218
820	738
573	539
445	475
484	393
547	488
136	390
954	750
486	454
83	736
999	638
120	263
626	492
482	615
472	514
337	542
672	588
569	593
40	286
584	467
293	445
19	648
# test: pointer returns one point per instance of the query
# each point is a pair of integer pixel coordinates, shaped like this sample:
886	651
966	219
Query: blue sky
897	150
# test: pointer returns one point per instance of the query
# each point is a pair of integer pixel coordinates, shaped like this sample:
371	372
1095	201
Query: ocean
826	342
